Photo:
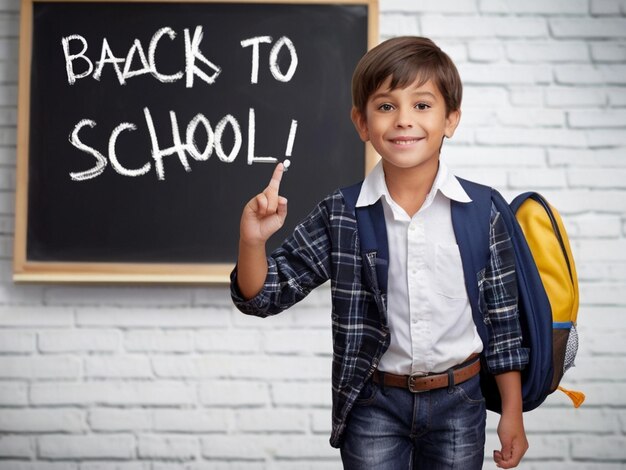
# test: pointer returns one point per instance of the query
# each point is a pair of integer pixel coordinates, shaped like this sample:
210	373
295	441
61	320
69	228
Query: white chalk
286	164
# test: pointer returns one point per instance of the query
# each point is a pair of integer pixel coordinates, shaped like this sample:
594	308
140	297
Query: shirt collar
374	186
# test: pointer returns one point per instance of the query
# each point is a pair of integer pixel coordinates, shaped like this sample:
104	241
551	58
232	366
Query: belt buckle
412	378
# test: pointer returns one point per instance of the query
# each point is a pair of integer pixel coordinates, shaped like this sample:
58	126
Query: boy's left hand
513	439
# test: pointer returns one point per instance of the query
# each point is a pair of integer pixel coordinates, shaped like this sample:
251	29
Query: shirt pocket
449	280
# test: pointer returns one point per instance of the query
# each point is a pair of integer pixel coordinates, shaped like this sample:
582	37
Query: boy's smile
407	125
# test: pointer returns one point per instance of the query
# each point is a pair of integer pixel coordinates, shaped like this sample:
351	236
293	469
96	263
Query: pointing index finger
277	176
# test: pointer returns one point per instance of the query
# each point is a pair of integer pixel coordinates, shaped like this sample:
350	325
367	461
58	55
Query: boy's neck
408	187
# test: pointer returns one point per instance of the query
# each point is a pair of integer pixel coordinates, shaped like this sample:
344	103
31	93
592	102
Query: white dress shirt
429	314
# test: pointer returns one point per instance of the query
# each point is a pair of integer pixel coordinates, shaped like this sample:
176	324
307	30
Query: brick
455	49
596	158
34	367
158	298
479	96
593	226
610	342
597	178
398	25
332	464
192	421
17	341
606	137
590	74
115	466
617	97
531	117
547	51
430	6
298	341
601	250
8	95
529	179
212	296
8	135
13	394
603	293
139	317
119	367
492	177
601	369
476	117
79	340
113	394
535	7
15	316
271	420
39	421
606	7
38	465
9	25
568	97
168	447
239	366
602	448
120	420
11	6
230	447
550	447
531	136
87	447
602	52
305	447
588	27
463	26
16	447
231	340
234	393
505	74
20	295
526	97
495	157
158	341
8	116
568	420
321	421
597	118
315	394
485	51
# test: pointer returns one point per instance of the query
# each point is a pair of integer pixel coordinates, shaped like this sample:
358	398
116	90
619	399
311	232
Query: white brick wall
153	378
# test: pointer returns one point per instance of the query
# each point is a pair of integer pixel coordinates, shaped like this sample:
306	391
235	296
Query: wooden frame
72	272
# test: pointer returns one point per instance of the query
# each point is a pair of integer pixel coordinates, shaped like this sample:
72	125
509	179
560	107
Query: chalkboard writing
146	126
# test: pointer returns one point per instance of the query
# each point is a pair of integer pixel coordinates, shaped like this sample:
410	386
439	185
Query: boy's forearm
251	269
510	387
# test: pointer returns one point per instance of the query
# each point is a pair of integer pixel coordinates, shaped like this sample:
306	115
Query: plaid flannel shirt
325	246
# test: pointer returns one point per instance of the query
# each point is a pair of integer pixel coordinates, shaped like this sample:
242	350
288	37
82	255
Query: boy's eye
422	106
385	107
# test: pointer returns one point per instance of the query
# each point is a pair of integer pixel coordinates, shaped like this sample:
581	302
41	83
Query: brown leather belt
423	382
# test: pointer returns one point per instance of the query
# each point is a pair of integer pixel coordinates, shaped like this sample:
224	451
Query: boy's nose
404	119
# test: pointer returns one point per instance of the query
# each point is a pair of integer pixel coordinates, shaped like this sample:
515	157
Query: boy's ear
452	121
360	122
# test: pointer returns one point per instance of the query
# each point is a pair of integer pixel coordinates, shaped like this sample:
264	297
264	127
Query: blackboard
144	128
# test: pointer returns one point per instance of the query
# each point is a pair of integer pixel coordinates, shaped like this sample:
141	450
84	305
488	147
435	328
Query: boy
406	349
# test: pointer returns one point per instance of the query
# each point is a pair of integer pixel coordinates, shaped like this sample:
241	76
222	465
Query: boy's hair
406	59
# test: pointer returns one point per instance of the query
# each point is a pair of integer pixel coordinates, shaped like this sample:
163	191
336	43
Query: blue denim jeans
394	429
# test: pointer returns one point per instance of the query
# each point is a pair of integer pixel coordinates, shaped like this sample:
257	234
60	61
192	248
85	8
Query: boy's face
406	126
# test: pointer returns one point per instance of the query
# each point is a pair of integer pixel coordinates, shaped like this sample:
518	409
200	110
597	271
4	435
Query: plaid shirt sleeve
499	293
299	265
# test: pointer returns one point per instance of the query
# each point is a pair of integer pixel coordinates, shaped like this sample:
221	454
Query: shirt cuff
507	361
253	306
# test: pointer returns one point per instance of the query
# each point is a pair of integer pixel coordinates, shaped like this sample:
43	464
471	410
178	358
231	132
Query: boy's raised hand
265	213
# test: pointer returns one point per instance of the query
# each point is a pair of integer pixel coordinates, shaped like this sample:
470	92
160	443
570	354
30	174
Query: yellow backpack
548	242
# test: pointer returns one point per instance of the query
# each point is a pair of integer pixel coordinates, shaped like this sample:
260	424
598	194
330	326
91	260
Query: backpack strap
470	221
372	233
